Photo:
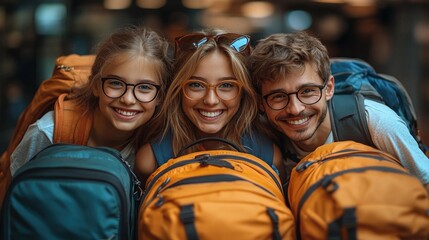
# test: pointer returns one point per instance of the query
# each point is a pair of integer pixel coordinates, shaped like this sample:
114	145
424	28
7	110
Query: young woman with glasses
211	96
128	81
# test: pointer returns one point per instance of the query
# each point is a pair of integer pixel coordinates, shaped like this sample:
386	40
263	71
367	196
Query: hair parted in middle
185	64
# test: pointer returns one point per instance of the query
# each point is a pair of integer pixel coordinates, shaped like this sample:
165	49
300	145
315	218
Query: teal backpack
356	80
72	192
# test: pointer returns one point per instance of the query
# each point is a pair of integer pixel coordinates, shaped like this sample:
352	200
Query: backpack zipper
198	158
345	152
327	180
65	68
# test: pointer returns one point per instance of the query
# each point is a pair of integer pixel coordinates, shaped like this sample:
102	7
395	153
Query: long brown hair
185	65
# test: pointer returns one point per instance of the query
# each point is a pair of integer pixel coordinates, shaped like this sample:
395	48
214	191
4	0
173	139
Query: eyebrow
124	79
277	90
204	79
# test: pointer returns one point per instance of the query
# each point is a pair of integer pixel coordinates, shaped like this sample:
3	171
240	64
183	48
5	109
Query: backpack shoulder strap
348	118
163	149
259	145
72	123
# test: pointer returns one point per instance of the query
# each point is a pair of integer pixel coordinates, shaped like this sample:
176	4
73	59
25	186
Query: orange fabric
223	210
72	124
69	72
388	205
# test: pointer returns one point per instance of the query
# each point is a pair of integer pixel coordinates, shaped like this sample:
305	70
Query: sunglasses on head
193	41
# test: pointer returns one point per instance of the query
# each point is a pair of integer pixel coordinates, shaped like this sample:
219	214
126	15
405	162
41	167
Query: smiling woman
127	82
211	96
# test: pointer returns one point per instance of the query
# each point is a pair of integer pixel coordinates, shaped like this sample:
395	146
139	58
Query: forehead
216	65
292	81
132	67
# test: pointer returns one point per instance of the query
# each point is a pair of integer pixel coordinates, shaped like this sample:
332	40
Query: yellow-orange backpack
214	194
347	190
71	126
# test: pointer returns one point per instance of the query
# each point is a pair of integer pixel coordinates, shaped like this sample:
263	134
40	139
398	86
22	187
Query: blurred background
392	35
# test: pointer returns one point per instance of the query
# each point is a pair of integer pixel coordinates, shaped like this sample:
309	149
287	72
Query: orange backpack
347	190
214	194
71	126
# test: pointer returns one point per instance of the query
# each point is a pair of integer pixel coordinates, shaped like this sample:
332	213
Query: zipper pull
65	68
160	201
302	166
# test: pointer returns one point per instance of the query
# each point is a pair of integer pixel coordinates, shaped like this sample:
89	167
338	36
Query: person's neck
210	145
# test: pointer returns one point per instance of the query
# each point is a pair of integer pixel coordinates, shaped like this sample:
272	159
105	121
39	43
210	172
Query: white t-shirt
39	135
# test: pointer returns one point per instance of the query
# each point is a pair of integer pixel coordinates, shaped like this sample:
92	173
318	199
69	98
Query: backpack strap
72	123
348	118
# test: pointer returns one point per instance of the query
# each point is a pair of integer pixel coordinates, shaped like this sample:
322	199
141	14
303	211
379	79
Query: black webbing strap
187	217
348	221
275	220
334	230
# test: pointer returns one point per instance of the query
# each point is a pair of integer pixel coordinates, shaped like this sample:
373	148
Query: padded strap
187	216
275	220
348	118
72	125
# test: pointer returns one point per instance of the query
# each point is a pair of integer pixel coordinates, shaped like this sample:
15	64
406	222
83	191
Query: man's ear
330	87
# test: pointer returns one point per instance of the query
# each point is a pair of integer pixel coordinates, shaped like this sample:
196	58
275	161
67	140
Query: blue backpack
356	80
71	192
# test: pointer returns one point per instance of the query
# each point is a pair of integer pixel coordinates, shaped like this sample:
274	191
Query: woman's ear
330	87
261	107
95	89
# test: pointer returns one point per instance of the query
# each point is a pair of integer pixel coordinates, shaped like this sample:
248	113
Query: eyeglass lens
226	90
307	95
143	92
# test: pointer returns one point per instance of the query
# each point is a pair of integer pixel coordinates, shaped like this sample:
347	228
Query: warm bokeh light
257	9
151	4
116	4
197	4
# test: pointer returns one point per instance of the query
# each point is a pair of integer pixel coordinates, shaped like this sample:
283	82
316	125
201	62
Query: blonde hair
185	65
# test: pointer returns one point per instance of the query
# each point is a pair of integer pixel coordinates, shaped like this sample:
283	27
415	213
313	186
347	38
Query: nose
128	98
294	106
211	98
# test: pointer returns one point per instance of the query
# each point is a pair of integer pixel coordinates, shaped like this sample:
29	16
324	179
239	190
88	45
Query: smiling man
291	73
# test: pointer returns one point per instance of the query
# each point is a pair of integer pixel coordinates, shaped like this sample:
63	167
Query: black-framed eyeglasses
193	41
225	90
116	88
307	94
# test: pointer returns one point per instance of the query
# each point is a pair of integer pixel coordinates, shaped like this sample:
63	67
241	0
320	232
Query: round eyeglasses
116	88
225	90
307	94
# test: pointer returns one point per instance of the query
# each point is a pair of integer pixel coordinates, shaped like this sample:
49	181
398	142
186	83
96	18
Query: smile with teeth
299	121
126	113
210	114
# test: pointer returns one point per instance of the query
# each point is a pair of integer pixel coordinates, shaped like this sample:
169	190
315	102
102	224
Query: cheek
233	106
187	105
104	101
149	107
271	115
